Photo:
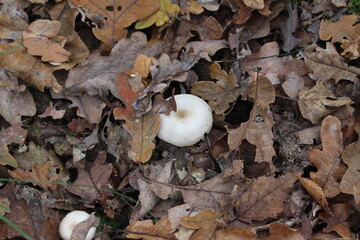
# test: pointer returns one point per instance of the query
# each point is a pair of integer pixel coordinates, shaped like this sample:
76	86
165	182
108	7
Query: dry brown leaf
113	17
41	39
346	27
205	223
88	107
66	16
319	102
272	67
350	156
337	221
143	129
316	192
95	179
257	4
148	231
219	94
98	74
264	197
328	159
327	64
5	157
39	175
177	213
258	129
235	233
281	231
13	134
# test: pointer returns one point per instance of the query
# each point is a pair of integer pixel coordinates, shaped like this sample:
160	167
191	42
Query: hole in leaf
119	8
109	8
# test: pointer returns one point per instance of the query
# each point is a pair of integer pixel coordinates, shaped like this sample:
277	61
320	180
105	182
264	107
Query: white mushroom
188	124
69	222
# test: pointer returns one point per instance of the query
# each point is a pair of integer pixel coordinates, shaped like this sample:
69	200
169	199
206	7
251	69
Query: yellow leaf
161	16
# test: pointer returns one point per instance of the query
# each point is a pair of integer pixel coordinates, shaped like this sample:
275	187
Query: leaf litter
82	84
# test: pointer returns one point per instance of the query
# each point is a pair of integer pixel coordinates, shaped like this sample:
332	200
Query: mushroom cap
188	124
69	222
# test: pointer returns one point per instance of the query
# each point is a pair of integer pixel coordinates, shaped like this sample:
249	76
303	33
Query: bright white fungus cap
69	222
188	124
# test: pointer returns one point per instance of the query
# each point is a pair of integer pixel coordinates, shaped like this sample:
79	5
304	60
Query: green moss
354	6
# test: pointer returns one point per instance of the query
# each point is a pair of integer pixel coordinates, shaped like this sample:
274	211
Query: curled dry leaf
316	192
281	231
148	231
350	182
263	198
319	102
112	18
220	94
337	222
328	159
258	129
205	223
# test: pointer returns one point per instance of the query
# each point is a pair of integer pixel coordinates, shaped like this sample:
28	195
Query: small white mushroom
69	222
188	124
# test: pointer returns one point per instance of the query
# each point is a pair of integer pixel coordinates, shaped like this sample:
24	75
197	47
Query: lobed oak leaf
327	64
328	159
281	231
39	175
220	94
351	49
148	231
337	221
88	107
319	102
346	27
350	181
258	129
144	128
97	75
161	16
316	192
205	223
113	17
264	197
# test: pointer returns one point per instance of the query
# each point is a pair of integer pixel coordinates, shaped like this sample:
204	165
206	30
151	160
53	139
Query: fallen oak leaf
281	231
236	233
148	231
204	222
350	181
263	198
327	161
220	94
112	18
258	129
337	222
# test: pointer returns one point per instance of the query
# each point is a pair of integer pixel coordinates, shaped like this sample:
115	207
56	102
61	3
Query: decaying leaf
337	222
281	231
327	64
346	31
97	75
41	39
258	129
143	129
218	94
39	175
5	157
264	197
205	223
112	18
319	102
148	231
328	159
235	233
316	192
350	156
